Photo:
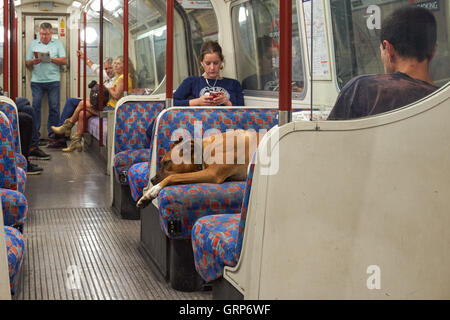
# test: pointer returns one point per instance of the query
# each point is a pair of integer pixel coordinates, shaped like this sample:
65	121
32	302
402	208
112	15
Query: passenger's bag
95	93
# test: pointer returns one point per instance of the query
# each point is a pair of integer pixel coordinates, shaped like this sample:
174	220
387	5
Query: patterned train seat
11	176
181	206
132	142
11	113
94	128
218	118
15	208
137	178
15	246
217	240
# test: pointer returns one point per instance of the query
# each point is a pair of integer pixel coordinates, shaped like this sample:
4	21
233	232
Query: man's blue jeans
68	110
38	90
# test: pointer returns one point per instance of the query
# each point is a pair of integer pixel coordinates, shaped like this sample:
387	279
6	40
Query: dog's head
179	159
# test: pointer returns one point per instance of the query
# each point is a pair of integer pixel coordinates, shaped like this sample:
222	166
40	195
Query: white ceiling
65	2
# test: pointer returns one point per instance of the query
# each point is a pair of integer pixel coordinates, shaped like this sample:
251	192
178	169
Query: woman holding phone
210	89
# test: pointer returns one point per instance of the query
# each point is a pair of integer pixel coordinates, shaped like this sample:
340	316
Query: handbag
95	95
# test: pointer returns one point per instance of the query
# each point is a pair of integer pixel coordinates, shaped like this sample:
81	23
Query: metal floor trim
88	254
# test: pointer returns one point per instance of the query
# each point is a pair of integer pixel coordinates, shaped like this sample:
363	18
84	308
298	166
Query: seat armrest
104	114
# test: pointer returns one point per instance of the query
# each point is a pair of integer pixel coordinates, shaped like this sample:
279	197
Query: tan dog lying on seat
220	157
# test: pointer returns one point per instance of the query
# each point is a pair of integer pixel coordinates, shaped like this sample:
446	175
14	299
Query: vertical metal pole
79	60
169	54
125	48
85	74
311	60
100	98
13	52
5	48
285	93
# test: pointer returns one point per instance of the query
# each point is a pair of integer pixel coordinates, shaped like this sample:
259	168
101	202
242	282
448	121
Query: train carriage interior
327	207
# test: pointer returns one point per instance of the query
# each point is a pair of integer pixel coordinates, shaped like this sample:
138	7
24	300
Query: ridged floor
85	251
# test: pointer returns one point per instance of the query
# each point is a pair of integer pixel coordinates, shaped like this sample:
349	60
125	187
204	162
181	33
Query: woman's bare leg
75	116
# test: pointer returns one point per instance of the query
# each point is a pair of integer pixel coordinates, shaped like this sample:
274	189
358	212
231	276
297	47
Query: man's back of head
412	32
408	43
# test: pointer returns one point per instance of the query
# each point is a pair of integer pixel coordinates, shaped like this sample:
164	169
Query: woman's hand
221	98
205	100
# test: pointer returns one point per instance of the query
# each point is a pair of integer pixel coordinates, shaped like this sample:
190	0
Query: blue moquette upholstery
217	240
93	128
11	177
132	143
15	246
11	113
137	175
181	206
15	207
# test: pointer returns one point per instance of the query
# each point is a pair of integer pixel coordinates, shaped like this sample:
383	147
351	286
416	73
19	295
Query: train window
202	24
255	28
112	41
356	36
148	29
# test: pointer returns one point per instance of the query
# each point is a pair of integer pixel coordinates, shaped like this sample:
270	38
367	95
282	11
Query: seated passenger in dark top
268	73
408	44
210	89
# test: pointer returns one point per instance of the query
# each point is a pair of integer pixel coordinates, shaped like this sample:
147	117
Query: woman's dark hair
412	31
210	46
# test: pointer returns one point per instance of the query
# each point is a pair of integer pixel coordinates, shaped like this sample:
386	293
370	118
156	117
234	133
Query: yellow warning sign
62	28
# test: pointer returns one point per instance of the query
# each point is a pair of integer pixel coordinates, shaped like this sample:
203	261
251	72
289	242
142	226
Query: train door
59	31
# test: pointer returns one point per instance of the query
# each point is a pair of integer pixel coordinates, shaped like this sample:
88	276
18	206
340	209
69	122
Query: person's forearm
89	62
59	61
29	64
114	92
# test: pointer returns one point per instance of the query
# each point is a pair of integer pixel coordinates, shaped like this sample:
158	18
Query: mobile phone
214	94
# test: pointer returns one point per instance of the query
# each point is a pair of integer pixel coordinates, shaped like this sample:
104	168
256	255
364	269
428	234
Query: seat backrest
10	110
219	118
248	188
8	175
353	204
132	122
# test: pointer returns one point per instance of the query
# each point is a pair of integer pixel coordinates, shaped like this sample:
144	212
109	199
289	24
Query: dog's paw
154	191
148	196
143	202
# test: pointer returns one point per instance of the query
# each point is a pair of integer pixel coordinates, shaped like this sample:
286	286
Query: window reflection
357	46
256	31
148	32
